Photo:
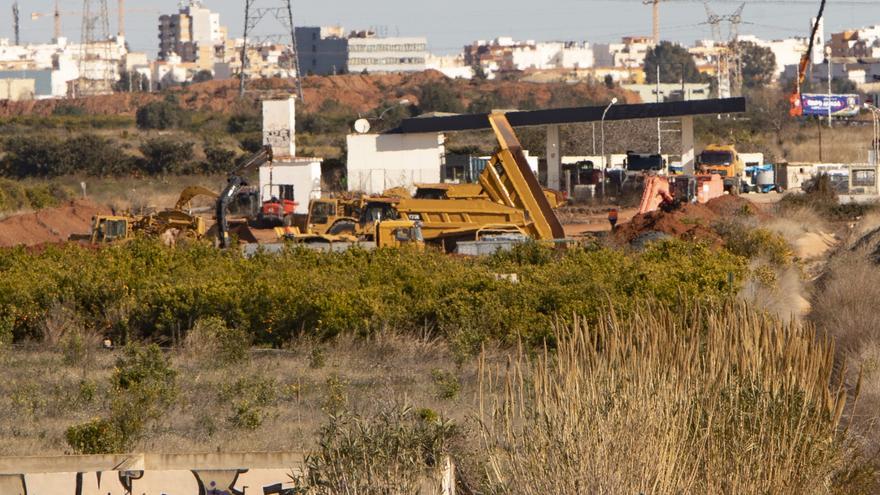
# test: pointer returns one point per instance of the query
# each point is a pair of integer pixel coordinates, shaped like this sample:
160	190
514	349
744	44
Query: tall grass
667	400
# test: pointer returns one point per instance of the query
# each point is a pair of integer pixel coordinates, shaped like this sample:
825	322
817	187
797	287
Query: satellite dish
362	126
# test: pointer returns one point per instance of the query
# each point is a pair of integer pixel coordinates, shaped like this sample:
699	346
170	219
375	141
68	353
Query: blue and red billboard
840	105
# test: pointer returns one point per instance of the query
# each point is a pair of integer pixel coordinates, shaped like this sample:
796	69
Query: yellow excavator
507	200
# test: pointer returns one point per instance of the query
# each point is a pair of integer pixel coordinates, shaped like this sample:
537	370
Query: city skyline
448	31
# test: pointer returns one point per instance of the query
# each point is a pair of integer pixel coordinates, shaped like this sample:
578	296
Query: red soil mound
691	221
50	225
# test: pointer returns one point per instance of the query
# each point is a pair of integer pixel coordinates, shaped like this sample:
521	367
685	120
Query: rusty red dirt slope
51	225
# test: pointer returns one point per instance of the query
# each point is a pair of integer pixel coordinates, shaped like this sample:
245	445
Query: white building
629	53
452	66
506	54
373	54
287	176
377	162
194	33
54	66
788	52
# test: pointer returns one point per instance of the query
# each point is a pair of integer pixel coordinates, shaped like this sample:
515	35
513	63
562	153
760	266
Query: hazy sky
449	24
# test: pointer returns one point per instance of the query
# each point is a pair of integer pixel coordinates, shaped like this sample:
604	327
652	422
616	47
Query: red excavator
669	192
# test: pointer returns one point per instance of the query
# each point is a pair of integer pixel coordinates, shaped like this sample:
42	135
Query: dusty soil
360	92
690	222
51	225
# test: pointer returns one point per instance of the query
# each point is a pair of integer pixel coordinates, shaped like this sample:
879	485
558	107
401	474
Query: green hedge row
143	290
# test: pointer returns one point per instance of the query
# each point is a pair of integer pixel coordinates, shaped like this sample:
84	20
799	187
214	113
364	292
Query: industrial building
328	50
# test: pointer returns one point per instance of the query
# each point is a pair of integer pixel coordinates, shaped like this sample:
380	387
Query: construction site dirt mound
728	206
691	222
50	225
359	92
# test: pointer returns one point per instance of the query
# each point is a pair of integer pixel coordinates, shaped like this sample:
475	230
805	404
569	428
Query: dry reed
668	401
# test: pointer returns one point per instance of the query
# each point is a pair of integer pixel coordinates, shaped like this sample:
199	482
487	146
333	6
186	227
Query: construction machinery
463	191
796	108
724	161
173	223
670	192
507	201
234	183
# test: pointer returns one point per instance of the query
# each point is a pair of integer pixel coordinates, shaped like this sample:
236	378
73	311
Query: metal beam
574	115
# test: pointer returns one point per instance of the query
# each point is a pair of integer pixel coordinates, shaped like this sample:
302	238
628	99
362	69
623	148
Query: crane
796	109
655	18
57	13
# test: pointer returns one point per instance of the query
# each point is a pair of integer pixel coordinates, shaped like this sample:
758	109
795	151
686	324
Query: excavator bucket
191	192
509	180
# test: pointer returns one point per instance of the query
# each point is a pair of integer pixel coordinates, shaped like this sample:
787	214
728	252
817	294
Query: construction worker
612	218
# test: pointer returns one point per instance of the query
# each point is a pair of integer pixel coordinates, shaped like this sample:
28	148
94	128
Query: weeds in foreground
689	400
393	451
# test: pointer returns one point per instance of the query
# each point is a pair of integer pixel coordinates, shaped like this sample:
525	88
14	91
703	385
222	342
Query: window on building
863	178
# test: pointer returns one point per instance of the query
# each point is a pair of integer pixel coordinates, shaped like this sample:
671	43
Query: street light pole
875	142
604	159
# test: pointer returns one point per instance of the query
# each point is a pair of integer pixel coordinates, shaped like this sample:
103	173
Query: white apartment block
387	54
451	66
194	34
506	54
629	53
54	66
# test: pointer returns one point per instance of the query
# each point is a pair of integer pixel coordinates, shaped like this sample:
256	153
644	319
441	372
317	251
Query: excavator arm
191	192
234	183
509	180
796	109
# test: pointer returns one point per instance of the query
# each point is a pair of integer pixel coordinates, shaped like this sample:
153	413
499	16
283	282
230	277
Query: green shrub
250	396
335	396
165	155
15	196
219	160
251	143
35	156
439	97
96	436
68	110
144	386
211	340
160	115
755	243
393	451
246	415
317	357
95	155
446	384
244	123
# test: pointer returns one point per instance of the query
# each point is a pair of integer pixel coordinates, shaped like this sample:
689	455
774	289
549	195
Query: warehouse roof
574	115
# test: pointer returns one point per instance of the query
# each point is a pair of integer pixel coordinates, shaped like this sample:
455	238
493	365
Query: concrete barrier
258	473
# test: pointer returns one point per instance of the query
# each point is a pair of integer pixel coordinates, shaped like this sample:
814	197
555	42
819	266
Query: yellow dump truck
724	161
507	199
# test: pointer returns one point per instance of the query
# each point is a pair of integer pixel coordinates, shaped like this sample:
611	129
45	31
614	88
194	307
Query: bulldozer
170	224
508	199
